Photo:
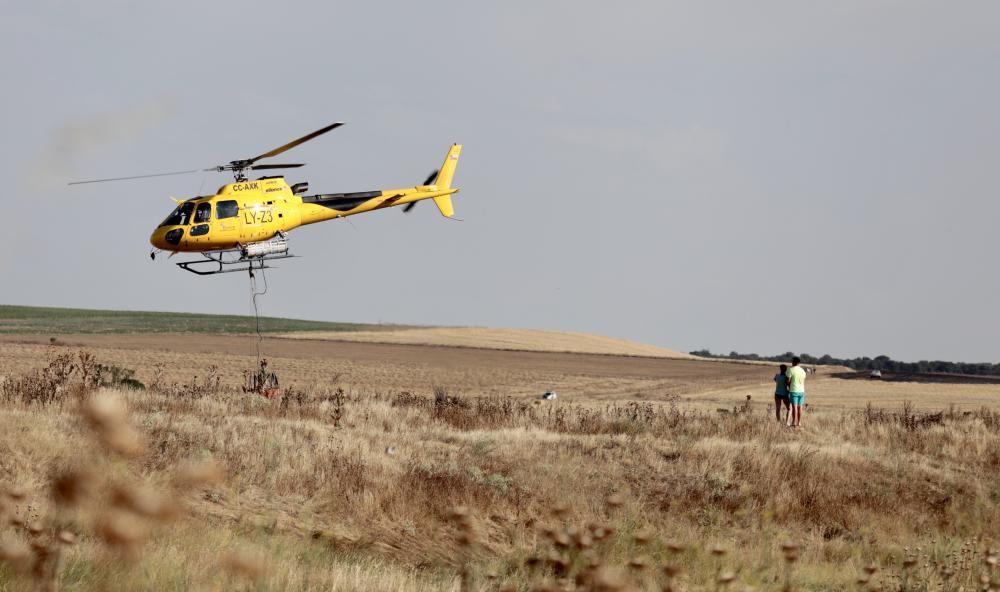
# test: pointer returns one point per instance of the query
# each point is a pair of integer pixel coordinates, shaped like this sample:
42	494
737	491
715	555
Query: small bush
115	376
66	375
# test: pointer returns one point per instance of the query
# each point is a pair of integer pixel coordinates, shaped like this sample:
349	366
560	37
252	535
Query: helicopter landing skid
218	262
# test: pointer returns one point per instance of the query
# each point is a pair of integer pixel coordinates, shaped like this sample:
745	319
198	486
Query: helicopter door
200	224
227	220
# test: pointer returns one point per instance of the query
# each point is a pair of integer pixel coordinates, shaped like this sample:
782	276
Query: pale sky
765	176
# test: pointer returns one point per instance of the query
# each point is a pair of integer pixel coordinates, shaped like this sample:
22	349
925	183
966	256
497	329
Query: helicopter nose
167	237
157	238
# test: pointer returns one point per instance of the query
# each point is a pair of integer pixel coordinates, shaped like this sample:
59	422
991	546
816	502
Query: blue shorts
781	397
797	398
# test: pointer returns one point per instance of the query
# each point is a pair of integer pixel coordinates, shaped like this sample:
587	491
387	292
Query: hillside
44	321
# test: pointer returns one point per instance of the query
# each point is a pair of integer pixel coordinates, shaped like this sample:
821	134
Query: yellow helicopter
246	223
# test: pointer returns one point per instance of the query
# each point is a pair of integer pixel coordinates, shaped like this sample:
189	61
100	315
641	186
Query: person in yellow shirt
796	391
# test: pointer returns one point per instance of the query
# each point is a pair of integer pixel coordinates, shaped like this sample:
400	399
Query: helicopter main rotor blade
258	167
135	177
295	143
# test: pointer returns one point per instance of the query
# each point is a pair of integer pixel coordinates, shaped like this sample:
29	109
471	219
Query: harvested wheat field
379	367
135	462
504	339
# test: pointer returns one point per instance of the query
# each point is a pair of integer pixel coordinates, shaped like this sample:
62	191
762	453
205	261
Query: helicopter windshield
180	216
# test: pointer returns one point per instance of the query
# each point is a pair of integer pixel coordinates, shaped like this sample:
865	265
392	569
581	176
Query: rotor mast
238	167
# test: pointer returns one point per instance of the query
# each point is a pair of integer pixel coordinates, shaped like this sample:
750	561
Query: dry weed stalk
245	563
122	512
790	552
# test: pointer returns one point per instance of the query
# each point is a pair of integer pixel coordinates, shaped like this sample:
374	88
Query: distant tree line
883	363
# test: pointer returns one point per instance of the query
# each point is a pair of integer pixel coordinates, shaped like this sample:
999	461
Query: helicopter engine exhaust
272	246
300	188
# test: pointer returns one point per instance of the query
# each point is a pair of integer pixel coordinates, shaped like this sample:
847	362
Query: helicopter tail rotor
428	181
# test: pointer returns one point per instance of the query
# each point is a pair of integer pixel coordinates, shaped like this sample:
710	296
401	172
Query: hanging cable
256	312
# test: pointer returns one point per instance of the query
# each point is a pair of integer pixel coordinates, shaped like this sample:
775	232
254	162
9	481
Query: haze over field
649	171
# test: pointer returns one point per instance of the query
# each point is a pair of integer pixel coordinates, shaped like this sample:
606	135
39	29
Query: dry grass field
504	339
400	467
374	367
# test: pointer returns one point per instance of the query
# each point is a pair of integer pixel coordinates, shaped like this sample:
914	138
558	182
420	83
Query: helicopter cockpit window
181	216
203	213
227	209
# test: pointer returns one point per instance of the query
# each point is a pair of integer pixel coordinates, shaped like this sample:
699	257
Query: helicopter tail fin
447	171
443	202
444	177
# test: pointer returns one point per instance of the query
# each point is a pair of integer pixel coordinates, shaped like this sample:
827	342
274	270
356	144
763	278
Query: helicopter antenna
238	167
